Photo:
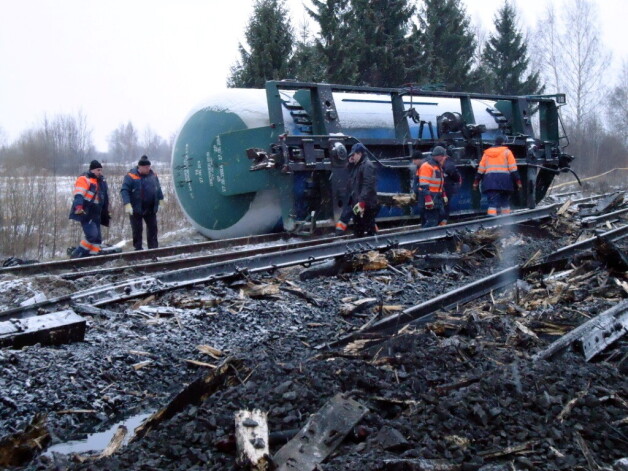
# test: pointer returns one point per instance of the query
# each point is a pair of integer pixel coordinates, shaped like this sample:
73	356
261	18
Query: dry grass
34	213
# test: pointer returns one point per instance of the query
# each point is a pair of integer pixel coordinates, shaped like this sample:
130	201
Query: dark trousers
365	224
90	245
498	202
151	230
450	191
431	217
362	225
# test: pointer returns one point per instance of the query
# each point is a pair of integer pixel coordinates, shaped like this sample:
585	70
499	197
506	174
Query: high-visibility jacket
430	178
498	169
91	193
143	192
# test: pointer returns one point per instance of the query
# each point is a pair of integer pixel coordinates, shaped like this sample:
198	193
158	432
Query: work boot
79	253
338	233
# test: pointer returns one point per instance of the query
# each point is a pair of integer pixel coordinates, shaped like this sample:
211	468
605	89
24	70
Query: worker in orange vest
90	207
499	176
431	195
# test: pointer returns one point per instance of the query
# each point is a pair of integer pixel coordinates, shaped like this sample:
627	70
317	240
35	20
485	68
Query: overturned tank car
252	161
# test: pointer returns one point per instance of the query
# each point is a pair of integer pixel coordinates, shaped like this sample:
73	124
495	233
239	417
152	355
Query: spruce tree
333	18
505	58
447	45
381	51
307	63
270	40
365	42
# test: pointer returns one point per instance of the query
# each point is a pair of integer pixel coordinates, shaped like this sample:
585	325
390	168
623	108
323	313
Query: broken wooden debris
228	444
264	290
396	199
320	436
510	450
114	445
19	448
55	328
195	392
369	261
348	309
184	301
144	301
612	323
251	431
292	288
199	363
141	364
211	351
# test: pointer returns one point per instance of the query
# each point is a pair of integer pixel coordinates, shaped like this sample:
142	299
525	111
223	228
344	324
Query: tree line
63	144
432	44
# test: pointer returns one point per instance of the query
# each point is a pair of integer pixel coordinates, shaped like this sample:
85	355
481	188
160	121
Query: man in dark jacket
362	203
453	181
141	194
90	207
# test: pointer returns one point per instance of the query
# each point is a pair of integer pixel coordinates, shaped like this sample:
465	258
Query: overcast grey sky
150	61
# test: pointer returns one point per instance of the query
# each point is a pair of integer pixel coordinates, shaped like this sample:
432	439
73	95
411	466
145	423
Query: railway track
149	260
186	271
268	259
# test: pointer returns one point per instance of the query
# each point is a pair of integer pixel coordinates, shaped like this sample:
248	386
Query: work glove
429	202
445	199
79	209
162	205
519	185
359	208
128	209
476	185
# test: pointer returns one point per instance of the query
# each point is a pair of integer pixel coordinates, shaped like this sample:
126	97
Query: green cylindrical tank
213	182
210	144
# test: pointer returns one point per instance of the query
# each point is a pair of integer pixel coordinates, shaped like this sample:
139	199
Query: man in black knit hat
141	195
90	207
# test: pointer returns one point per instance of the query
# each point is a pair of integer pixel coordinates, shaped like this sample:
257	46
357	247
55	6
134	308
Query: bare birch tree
618	103
575	62
585	60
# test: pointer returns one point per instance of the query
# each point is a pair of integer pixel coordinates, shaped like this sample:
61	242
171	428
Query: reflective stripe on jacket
87	188
143	192
430	177
498	169
92	194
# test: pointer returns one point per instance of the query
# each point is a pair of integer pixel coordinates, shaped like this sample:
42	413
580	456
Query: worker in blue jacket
90	207
141	195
